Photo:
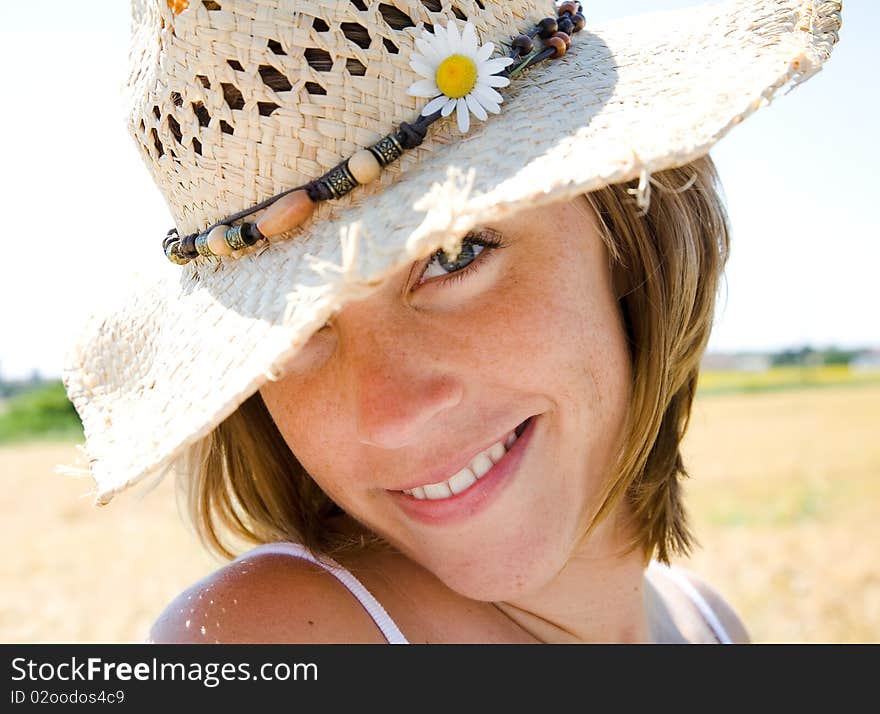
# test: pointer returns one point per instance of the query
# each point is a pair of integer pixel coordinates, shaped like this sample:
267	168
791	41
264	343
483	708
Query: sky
82	215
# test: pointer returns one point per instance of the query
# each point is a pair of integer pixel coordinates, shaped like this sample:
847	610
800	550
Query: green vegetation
43	412
781	378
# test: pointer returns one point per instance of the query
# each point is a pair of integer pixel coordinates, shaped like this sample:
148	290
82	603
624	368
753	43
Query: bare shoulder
266	598
731	621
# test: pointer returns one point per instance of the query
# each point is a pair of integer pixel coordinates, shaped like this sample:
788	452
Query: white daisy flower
458	74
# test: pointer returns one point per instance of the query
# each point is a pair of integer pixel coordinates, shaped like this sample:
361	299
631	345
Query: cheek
307	420
563	326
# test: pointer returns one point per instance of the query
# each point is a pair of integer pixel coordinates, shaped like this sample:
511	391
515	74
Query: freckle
311	622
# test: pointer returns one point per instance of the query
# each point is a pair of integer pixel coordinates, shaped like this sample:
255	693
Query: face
431	374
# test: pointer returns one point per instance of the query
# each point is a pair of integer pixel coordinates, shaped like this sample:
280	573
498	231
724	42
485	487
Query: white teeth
468	476
481	465
462	480
436	491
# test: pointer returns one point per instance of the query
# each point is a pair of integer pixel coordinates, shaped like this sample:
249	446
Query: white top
393	634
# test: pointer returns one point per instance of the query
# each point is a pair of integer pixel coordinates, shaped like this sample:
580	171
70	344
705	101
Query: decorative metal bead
241	236
565	38
565	25
558	44
578	20
547	27
364	166
567	7
202	245
524	44
339	180
217	241
286	213
387	149
172	252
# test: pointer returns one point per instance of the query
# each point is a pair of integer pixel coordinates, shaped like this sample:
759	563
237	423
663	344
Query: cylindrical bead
570	7
286	213
187	246
558	44
565	38
364	166
217	241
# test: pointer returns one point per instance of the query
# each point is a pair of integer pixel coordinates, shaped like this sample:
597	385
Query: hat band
452	82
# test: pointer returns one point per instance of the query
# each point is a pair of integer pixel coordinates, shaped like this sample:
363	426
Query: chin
496	572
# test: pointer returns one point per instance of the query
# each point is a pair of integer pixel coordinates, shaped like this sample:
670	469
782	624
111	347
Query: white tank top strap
699	601
375	610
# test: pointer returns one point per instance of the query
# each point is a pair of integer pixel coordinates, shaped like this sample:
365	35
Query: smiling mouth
479	466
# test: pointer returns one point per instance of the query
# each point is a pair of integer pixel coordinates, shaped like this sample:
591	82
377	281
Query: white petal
439	40
479	93
469	40
487	92
423	68
453	38
494	65
464	122
493	81
447	109
429	52
434	105
476	108
485	52
423	88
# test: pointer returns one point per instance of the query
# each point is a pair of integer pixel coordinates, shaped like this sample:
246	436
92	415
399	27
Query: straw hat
232	102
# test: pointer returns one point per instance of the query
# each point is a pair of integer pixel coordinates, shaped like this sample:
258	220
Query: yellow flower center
456	76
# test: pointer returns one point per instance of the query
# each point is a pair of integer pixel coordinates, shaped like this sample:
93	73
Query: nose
393	377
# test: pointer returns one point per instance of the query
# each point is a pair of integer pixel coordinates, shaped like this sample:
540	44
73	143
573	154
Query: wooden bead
547	27
565	38
524	44
579	21
570	7
558	44
286	213
217	241
364	166
566	25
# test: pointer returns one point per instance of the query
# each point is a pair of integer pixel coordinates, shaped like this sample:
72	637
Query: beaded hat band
461	72
234	102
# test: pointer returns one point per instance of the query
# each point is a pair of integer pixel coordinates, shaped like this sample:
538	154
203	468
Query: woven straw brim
637	96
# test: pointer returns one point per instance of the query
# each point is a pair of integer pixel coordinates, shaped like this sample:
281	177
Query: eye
441	269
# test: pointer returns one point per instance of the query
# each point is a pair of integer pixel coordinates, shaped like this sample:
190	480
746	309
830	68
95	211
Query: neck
599	596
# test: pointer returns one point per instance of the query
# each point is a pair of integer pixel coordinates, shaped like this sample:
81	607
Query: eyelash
488	239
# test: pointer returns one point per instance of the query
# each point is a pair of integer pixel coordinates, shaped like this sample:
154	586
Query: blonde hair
243	482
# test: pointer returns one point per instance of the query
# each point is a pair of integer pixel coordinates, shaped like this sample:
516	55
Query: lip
476	498
446	472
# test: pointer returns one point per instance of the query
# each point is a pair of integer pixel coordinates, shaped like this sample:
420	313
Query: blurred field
784	495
